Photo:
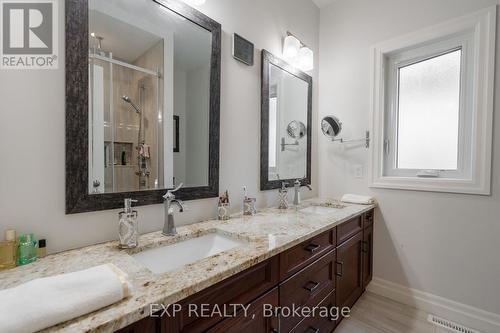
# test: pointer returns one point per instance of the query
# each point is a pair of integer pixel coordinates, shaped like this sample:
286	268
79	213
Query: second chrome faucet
169	228
297	185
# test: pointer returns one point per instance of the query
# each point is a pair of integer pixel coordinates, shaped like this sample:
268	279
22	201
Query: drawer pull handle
340	268
314	329
312	248
312	288
364	247
274	331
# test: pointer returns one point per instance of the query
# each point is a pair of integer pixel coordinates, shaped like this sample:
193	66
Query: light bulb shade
306	59
291	47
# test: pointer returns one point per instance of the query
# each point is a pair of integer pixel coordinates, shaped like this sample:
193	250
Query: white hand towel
45	302
358	199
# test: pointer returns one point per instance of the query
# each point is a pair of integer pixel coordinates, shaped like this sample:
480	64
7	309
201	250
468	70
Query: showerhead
129	101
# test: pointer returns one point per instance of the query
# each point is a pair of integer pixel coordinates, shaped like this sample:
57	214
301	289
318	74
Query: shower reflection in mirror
146	66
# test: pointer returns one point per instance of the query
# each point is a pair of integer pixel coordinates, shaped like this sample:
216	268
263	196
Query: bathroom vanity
309	256
327	270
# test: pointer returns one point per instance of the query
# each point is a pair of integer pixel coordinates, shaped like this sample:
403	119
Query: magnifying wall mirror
331	127
296	129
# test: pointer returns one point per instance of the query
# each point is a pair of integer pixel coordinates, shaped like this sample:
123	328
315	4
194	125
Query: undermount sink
170	257
323	209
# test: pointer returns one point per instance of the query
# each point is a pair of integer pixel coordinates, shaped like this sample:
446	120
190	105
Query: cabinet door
255	320
367	256
349	271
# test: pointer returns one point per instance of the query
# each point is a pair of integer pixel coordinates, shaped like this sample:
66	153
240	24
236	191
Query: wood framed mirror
142	102
286	124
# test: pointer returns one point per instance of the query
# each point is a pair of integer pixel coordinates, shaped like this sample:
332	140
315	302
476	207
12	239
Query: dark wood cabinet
349	271
255	320
329	270
367	256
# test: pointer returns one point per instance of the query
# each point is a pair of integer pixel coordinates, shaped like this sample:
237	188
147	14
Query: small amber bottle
8	250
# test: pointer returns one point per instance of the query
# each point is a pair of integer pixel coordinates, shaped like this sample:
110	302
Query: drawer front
368	219
321	322
296	258
255	321
307	288
240	289
348	229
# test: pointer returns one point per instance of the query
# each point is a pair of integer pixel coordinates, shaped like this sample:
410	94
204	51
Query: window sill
445	185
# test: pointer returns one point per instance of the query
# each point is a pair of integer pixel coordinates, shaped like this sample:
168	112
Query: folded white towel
358	199
45	302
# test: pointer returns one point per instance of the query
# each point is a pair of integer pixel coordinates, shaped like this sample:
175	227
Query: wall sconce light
297	53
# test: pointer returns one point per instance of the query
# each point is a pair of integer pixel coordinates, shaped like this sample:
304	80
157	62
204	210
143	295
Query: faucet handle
298	183
170	193
177	188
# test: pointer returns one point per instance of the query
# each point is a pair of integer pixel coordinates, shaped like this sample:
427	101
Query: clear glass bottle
128	229
26	249
8	250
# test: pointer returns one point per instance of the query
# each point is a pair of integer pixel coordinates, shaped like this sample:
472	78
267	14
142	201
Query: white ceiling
323	3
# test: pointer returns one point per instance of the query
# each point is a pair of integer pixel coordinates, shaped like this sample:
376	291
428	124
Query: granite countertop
268	233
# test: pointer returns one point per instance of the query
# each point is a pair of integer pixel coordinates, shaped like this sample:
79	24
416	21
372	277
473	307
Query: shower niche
153	102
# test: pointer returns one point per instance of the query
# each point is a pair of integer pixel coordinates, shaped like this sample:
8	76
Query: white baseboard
480	320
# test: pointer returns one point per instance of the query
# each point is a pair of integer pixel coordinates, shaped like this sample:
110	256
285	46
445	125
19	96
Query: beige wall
444	244
32	130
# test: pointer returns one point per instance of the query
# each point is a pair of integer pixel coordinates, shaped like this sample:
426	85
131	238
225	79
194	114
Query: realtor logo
29	34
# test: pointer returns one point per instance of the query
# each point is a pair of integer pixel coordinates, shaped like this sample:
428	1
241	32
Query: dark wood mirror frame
78	199
269	59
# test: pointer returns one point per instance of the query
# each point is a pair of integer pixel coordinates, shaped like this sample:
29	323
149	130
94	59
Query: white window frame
474	34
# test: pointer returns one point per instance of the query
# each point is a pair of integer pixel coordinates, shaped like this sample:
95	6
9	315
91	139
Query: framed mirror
286	124
142	102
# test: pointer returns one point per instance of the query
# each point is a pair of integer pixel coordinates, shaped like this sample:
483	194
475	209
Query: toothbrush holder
249	206
224	211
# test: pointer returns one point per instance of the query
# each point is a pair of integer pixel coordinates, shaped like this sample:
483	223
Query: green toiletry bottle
26	249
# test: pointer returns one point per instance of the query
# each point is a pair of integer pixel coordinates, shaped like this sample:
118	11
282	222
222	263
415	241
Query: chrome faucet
297	185
169	225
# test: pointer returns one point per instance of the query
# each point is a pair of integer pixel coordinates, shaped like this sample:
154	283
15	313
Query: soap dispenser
283	196
128	230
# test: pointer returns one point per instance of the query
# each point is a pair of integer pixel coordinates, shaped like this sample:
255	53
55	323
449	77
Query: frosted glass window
428	113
